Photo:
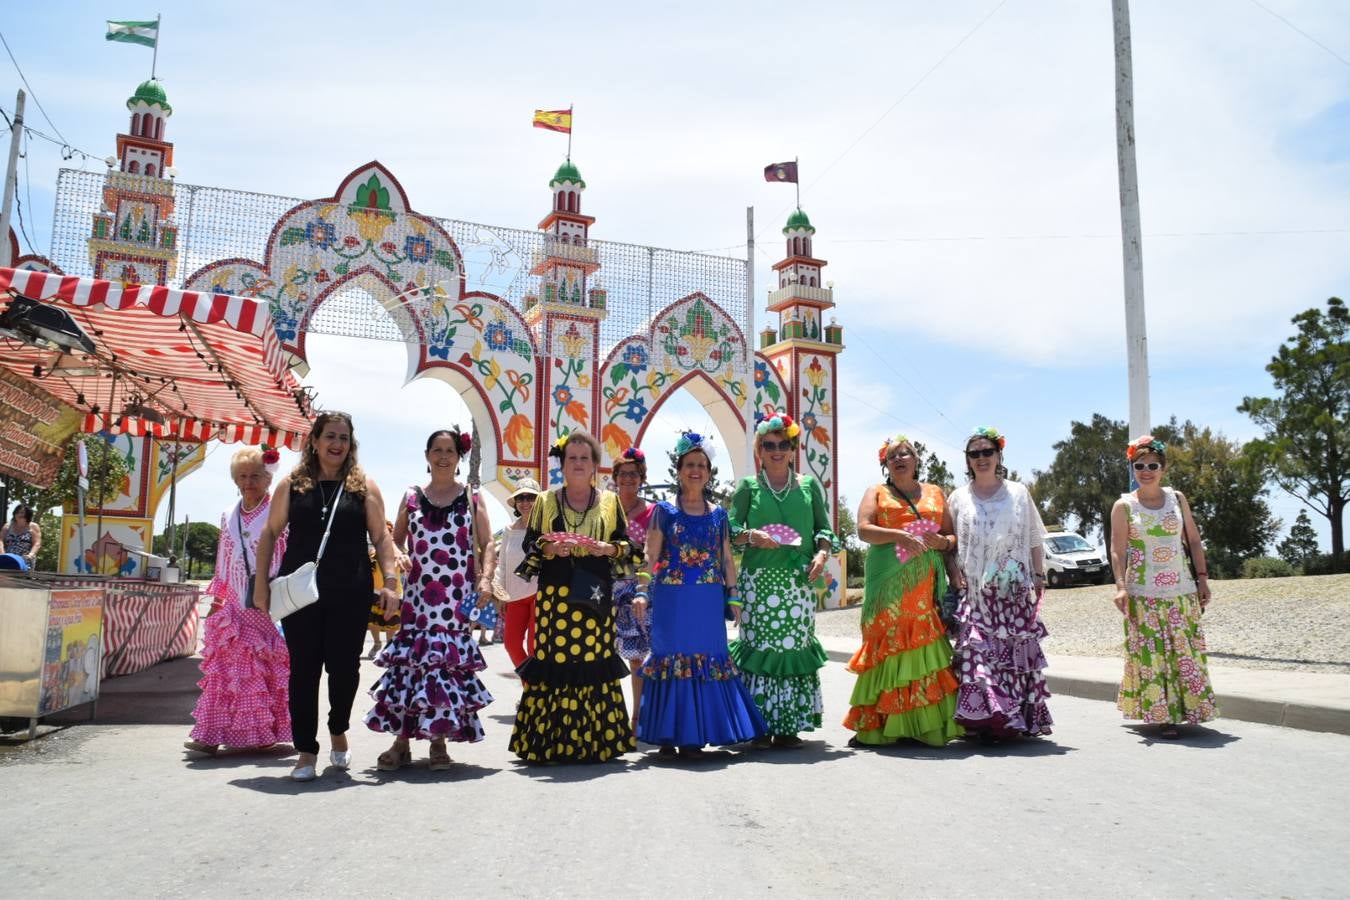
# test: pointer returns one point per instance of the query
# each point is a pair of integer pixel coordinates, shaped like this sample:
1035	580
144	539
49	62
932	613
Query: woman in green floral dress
1166	680
777	652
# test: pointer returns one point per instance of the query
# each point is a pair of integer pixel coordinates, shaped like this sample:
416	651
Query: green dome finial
567	172
798	219
152	94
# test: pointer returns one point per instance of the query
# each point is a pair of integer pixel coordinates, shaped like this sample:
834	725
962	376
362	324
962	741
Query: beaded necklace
567	507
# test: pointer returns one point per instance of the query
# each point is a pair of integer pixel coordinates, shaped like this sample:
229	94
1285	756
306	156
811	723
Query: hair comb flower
692	440
887	444
779	422
1142	444
990	433
556	451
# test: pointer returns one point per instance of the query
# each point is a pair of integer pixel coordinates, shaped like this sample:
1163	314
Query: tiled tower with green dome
134	239
804	346
565	312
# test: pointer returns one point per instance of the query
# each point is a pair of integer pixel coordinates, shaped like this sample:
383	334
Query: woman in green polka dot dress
576	544
777	652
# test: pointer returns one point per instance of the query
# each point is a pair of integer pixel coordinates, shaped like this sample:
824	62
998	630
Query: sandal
787	741
439	757
393	759
199	747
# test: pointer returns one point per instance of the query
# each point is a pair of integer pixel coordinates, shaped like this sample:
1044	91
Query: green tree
1307	426
1225	485
933	470
1088	474
200	542
1301	544
107	473
848	536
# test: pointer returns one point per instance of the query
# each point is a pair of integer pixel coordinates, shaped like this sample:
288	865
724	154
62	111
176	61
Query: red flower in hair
465	443
270	456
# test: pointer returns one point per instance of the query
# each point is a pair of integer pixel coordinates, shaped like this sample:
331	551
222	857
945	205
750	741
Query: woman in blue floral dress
692	693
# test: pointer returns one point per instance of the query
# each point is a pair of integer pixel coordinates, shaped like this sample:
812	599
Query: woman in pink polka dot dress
245	666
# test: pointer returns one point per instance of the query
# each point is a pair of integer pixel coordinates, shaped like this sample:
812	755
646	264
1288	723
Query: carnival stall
106	358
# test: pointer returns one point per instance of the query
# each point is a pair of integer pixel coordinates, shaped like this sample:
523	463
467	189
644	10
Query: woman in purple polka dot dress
430	689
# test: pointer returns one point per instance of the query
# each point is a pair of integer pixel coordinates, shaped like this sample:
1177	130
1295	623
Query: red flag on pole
783	171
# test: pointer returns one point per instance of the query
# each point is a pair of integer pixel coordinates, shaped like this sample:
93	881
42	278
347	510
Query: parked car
1069	559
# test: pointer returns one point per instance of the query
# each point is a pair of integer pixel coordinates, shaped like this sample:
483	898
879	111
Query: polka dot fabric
573	708
430	688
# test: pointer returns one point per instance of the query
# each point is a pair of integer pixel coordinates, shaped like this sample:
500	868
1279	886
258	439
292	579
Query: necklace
779	495
900	494
249	509
567	507
451	493
327	501
628	510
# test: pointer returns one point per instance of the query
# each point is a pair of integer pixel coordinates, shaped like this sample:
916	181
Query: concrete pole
1136	330
11	179
750	339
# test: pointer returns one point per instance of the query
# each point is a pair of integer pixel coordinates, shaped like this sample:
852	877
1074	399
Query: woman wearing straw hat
518	593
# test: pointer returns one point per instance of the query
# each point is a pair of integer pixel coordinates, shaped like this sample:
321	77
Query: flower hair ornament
779	422
1144	444
556	451
988	433
633	454
690	441
270	458
887	444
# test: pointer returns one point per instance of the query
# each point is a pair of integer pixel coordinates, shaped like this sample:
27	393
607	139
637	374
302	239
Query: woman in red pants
518	625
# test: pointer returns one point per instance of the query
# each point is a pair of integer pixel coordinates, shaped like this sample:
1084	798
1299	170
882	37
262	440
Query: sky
958	161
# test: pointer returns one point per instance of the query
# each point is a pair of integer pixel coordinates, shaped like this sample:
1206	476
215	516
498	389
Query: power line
912	88
68	152
32	93
1300	31
858	333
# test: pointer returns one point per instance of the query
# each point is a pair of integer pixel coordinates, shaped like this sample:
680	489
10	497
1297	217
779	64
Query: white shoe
341	759
303	773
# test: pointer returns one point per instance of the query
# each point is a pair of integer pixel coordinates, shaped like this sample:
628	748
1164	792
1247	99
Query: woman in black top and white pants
328	634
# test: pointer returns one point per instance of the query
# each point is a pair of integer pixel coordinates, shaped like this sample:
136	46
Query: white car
1071	560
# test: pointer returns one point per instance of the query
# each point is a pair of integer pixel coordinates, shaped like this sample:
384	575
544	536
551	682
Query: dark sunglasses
775	446
1152	467
981	454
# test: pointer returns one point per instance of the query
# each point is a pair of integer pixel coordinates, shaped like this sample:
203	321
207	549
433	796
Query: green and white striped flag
146	33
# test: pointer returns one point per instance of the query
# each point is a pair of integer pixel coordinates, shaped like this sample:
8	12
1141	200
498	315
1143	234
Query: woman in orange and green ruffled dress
905	686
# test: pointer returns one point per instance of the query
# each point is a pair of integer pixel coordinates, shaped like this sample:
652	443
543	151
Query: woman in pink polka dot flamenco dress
245	666
430	688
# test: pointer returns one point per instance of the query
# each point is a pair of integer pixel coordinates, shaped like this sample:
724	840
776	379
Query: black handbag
590	589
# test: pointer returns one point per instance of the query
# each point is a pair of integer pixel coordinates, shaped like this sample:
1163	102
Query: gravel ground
1296	624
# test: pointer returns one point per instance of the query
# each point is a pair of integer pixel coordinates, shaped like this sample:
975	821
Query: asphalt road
1098	809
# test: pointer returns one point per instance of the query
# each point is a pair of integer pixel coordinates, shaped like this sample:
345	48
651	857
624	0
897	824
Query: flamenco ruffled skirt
778	653
905	687
430	688
1000	665
572	709
245	671
692	693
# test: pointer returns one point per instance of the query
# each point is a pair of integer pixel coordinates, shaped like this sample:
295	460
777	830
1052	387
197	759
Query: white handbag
293	592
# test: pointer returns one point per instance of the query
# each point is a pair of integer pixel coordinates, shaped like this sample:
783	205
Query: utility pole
1136	330
11	178
751	338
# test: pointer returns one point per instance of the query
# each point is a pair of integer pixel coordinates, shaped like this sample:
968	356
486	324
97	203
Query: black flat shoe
787	741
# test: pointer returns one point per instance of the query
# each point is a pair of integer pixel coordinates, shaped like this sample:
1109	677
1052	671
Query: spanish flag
554	120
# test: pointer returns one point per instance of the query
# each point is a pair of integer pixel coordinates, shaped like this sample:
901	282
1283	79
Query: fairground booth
156	373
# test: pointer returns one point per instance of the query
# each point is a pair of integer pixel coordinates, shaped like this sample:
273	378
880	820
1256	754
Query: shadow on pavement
334	779
964	749
570	773
1194	736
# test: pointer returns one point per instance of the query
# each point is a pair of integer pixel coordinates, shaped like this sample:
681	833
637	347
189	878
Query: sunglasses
1152	467
899	454
981	454
776	446
628	476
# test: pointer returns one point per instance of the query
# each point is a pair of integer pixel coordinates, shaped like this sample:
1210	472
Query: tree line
1304	449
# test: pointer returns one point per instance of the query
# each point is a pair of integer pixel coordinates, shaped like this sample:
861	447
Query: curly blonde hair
306	472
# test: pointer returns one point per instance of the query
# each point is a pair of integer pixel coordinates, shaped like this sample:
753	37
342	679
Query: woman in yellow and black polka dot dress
573	708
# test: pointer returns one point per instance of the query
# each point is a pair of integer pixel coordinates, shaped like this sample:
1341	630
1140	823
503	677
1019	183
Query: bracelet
1038	575
389	576
1201	574
643	576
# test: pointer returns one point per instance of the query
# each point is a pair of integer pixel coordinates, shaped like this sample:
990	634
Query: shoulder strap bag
293	592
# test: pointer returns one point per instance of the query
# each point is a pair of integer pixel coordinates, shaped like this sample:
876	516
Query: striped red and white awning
210	364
